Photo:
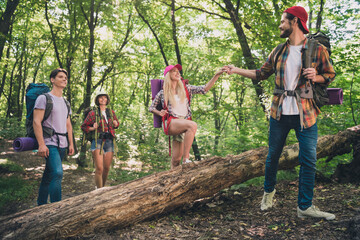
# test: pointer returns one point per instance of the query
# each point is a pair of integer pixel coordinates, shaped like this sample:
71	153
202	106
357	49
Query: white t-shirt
56	120
180	109
292	71
104	115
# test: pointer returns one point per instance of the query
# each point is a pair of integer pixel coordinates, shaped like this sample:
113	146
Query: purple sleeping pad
335	96
25	144
156	86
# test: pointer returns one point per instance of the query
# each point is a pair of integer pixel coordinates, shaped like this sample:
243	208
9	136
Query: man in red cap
293	106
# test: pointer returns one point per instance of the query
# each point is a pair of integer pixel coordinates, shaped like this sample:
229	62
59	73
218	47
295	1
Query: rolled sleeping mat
156	86
335	96
21	144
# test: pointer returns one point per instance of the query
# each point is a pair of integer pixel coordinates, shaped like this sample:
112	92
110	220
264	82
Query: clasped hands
96	125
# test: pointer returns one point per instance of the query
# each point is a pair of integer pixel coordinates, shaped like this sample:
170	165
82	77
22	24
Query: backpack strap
68	106
48	107
310	53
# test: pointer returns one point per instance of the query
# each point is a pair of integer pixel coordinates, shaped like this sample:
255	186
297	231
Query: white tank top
180	109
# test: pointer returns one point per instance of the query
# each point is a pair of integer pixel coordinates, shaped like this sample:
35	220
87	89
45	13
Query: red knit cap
301	14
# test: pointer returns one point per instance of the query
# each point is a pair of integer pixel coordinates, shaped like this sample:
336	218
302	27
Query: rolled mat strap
21	144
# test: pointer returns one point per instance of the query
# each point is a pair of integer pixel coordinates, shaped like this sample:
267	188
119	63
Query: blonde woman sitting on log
175	100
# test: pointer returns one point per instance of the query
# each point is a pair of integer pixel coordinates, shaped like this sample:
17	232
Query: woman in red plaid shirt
103	121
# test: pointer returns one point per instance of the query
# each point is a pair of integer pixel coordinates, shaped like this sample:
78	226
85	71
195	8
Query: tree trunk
134	201
174	35
5	22
6	63
249	60
319	17
92	21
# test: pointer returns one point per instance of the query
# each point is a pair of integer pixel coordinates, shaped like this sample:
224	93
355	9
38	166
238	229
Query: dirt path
231	214
75	182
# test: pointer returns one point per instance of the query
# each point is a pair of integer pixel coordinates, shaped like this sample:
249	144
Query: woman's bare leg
107	164
188	127
99	162
177	152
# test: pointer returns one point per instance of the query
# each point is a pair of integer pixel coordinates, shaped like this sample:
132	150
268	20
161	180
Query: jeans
52	177
307	156
108	145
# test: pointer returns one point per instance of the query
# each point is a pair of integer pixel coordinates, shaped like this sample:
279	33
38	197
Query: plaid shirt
160	98
108	127
322	65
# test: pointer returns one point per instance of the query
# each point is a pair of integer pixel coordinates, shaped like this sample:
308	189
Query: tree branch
237	7
153	32
210	13
97	13
85	16
224	9
53	36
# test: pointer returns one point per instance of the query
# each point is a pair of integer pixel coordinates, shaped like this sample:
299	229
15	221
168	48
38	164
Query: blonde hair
168	95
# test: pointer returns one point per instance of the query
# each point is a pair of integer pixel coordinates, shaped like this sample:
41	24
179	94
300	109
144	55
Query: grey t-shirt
56	120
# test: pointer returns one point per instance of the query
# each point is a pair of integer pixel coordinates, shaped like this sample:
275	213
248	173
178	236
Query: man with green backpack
293	105
54	136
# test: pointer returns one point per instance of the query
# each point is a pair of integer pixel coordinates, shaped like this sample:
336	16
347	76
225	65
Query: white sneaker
314	212
187	161
267	200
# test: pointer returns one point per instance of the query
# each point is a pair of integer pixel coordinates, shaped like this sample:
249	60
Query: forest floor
231	214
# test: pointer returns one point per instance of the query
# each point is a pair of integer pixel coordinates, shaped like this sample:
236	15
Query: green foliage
127	56
11	129
328	168
10	167
14	189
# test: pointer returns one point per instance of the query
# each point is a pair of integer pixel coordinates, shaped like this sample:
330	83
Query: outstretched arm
231	69
214	79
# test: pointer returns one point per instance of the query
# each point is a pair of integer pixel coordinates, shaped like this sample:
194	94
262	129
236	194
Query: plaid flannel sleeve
88	122
196	89
116	119
324	66
156	101
267	69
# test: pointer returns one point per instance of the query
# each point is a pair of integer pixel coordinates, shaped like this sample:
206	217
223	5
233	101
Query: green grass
10	167
14	189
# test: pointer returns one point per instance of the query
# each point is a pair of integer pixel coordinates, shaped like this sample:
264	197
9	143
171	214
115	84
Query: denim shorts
108	145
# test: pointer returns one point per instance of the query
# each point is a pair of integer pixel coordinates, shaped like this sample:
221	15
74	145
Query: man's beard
286	33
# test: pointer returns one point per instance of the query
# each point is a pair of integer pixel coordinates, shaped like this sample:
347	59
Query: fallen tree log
120	206
350	172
